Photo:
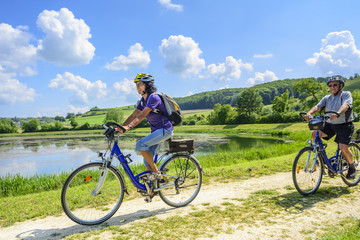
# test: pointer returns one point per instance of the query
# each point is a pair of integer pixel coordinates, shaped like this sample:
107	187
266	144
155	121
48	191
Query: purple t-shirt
157	121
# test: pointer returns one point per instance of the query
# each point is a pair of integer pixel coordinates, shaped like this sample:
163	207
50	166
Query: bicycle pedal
148	199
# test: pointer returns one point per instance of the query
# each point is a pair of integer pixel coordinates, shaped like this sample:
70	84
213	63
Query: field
98	119
352	85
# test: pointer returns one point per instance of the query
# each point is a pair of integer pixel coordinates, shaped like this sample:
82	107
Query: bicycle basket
317	123
183	145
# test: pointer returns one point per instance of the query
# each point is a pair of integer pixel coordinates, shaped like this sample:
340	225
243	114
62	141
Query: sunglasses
139	84
333	85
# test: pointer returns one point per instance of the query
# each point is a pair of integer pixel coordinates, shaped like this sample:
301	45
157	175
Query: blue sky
67	56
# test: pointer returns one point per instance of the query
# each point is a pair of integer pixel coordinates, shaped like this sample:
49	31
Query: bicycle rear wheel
355	150
83	201
307	171
182	178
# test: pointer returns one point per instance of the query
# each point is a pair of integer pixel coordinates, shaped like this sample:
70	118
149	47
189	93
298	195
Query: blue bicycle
94	192
312	161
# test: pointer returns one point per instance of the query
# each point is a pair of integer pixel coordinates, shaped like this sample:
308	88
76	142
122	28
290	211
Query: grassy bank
47	203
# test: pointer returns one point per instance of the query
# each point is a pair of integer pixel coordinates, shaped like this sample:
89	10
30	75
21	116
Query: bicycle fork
102	178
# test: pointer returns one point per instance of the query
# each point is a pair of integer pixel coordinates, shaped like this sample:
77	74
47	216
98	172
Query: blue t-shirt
157	121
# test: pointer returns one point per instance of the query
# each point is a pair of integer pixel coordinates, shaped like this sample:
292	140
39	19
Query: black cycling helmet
336	79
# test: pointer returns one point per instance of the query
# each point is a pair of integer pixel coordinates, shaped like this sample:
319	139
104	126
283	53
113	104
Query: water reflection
51	155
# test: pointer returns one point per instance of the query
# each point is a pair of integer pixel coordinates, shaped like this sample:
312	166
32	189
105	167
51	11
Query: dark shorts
343	132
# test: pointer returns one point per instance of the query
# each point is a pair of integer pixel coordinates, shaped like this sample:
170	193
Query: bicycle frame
134	179
318	143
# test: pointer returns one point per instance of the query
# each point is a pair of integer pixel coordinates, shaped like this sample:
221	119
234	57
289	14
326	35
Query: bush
243	119
31	126
7	126
280	118
85	126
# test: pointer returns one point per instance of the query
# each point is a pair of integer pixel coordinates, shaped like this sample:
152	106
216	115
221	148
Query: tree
73	123
222	114
249	102
113	115
31	126
70	115
7	126
281	104
60	119
310	91
58	126
356	102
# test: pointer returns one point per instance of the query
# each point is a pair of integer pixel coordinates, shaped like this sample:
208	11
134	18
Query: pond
30	156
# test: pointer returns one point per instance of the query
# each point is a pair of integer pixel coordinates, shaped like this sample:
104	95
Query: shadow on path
295	203
58	233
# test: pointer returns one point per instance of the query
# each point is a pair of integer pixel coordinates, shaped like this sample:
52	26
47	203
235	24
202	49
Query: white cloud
189	94
225	87
66	41
12	91
127	87
74	109
338	54
267	76
82	88
266	55
182	55
227	71
16	53
171	6
289	70
137	58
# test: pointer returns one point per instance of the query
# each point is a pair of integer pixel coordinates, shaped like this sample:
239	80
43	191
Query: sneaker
154	176
351	173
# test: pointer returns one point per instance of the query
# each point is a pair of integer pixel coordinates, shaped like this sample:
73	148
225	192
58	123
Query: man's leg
347	153
321	135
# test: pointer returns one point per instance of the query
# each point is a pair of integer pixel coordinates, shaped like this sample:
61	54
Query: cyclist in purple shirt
161	127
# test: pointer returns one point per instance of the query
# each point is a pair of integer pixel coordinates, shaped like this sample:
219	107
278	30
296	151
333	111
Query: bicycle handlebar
113	124
302	114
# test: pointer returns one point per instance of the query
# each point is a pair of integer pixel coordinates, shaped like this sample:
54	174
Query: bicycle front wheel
355	150
181	181
307	171
91	195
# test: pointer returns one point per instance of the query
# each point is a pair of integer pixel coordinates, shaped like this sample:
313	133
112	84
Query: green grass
47	203
352	85
348	229
261	207
98	119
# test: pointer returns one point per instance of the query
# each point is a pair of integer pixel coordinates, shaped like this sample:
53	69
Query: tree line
274	102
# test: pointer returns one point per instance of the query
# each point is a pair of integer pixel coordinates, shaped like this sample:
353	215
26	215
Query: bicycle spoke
187	181
79	201
307	171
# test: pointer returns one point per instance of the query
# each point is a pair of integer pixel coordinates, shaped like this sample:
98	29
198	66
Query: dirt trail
291	225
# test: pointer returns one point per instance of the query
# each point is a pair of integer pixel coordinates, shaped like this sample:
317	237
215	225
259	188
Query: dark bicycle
312	161
94	192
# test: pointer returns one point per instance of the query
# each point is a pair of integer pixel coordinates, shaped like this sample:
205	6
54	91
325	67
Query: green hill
206	100
352	84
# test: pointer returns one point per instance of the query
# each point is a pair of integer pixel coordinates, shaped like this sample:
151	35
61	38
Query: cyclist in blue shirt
339	124
161	127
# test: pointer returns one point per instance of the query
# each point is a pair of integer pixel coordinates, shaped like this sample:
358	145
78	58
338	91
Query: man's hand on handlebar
333	117
307	117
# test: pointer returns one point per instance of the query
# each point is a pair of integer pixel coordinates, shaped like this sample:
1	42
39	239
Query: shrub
7	126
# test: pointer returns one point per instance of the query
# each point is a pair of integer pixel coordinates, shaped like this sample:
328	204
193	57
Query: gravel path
290	225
